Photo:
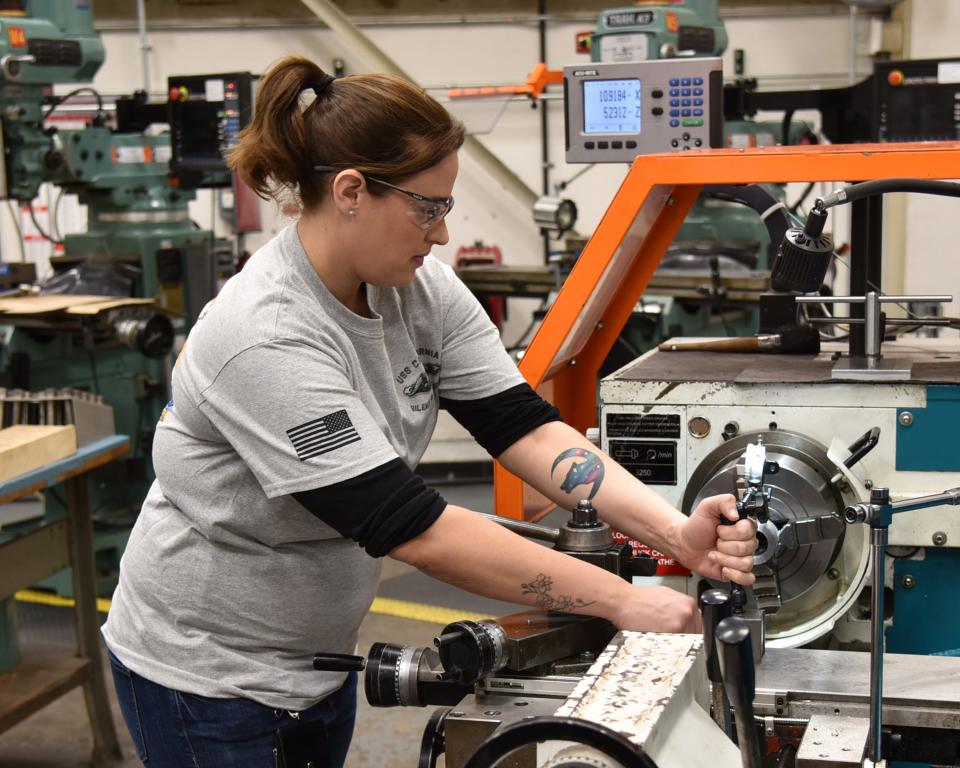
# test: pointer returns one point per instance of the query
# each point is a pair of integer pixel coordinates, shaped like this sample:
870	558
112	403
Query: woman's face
397	230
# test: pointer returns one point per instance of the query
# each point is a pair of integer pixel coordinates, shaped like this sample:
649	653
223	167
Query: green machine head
663	29
42	42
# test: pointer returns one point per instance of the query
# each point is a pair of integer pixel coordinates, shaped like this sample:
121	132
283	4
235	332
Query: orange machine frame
614	268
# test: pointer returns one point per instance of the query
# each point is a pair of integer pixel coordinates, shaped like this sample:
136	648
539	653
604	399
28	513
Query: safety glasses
426	212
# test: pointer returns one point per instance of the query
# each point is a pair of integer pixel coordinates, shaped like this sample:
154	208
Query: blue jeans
171	729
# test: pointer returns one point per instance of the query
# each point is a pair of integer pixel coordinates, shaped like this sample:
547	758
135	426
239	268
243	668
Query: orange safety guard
617	263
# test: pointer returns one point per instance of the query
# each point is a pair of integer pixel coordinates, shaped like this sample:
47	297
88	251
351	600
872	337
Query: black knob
880	496
584	515
736	660
816	219
715	606
467	651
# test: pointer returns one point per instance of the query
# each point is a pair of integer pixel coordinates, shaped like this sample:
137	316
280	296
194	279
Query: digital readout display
611	106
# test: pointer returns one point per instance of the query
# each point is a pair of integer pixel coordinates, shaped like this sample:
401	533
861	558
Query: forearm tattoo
587	472
541	587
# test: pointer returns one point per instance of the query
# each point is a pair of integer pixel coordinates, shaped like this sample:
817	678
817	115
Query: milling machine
135	182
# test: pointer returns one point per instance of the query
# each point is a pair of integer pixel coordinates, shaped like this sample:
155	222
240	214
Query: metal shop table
25	560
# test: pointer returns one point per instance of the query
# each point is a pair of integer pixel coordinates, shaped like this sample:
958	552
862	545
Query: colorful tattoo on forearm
541	587
586	472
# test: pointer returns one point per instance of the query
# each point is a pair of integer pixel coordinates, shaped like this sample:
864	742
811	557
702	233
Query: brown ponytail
380	125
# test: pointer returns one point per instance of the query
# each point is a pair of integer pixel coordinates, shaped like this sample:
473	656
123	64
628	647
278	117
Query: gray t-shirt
228	586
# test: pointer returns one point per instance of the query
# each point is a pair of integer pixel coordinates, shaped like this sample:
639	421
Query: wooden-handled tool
789	340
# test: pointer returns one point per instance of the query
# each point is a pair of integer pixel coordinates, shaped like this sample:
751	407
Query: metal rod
871	319
852	45
144	45
544	124
884	299
947	497
524	528
772	10
878	546
889	321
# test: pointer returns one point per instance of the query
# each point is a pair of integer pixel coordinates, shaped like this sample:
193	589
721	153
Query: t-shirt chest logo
417	376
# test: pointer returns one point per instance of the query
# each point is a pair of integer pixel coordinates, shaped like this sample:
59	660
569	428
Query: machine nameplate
656	425
654	463
629	19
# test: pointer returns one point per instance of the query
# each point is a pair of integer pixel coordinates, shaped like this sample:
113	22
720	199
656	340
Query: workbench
66	543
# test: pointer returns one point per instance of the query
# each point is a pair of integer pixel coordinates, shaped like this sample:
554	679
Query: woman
306	393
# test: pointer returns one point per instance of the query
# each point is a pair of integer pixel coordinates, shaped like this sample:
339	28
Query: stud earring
351	212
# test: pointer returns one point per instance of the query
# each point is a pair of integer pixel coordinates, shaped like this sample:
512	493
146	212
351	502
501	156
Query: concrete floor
58	736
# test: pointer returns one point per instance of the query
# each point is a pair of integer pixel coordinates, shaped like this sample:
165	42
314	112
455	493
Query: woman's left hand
717	551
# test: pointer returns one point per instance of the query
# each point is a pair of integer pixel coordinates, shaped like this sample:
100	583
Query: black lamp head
804	256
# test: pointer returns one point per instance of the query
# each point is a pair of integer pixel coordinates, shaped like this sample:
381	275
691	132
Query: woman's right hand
658	609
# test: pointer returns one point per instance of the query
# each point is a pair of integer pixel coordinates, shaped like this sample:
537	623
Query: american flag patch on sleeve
323	435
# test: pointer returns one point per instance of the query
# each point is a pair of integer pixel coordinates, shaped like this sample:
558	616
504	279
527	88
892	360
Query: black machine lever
736	665
715	607
338	662
738	595
862	446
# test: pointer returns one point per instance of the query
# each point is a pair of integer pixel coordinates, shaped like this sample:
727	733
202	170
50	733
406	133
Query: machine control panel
616	111
917	100
207	112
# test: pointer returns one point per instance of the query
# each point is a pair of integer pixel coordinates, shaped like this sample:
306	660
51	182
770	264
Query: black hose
882	186
785	128
606	740
757	197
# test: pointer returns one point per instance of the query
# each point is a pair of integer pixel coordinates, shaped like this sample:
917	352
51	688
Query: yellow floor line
46	598
384	606
437	614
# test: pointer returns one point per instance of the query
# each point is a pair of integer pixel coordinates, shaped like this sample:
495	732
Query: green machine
720	236
140	241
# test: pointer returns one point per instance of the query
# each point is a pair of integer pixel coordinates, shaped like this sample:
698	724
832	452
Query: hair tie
321	85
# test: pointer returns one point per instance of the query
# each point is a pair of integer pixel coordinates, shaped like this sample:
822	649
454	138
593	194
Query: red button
895	77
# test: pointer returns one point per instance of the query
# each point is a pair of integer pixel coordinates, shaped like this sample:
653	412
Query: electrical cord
55	216
562	185
85	89
33	218
16	225
803	196
519	342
